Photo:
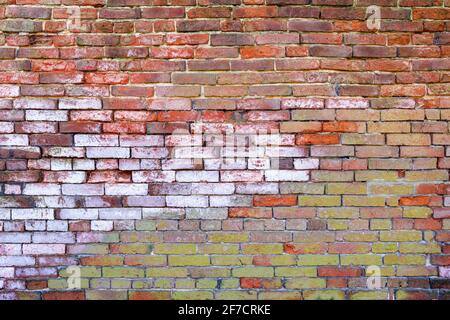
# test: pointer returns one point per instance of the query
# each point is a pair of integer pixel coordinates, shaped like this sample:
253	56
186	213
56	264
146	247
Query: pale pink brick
273	152
258	164
6	127
6	272
177	164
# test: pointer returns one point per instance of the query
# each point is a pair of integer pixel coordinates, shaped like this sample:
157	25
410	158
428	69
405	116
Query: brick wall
224	149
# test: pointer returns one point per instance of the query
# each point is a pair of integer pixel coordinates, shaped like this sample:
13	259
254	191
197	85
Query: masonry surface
224	149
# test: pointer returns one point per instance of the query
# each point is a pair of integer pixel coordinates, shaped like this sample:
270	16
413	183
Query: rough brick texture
115	123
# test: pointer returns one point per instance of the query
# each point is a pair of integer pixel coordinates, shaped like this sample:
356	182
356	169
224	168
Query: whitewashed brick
80	104
151	153
35	214
207	213
9	91
46	115
258	163
108	152
305	164
162	213
286	175
54	202
141	141
347	103
197	176
78	214
14	237
231	201
131	189
44	249
61	164
6	127
96	140
212	188
16	261
66	152
153	176
53	237
57	225
6	272
120	214
257	188
83	164
5	214
187	201
38	103
44	189
10	249
13	140
145	201
101	225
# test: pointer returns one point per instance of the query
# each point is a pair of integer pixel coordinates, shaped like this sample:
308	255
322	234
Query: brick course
116	118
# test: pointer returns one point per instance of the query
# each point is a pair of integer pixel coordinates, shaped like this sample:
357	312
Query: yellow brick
262	248
178	248
347	188
230	283
119	272
420	248
323	295
258	272
400	189
167	272
338	213
295	272
428	175
228	237
218	248
317	260
206	284
404	259
362	201
446	224
401	235
305	283
231	260
277	295
283	260
416	271
319	201
120	284
236	295
384	247
184	284
361	236
376	175
417	212
380	224
163	283
189	260
192	295
369	295
361	259
337	224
